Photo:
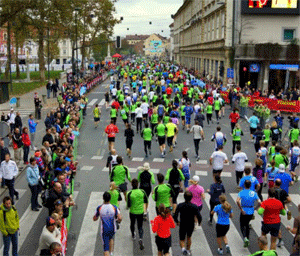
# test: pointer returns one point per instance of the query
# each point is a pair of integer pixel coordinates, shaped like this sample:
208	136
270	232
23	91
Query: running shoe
289	215
220	251
184	252
150	152
296	178
141	244
246	242
133	236
227	248
280	243
189	252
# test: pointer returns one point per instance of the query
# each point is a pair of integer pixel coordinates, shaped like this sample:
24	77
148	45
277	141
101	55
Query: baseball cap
50	221
281	168
196	178
37	154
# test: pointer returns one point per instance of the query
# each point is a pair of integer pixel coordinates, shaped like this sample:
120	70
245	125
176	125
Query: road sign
230	73
230	80
13	102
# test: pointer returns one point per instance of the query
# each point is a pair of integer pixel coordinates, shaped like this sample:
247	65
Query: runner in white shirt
198	133
151	94
114	92
217	160
144	107
239	159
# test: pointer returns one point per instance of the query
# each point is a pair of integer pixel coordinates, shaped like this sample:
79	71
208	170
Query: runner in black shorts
187	212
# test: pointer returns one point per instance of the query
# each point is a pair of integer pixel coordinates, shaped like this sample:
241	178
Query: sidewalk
26	100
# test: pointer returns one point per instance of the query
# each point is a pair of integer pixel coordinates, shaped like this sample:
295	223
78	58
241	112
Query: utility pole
9	53
76	35
48	54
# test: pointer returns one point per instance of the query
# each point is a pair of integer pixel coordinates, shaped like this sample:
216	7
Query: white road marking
201	173
97	157
86	168
137	159
201	162
92	102
158	160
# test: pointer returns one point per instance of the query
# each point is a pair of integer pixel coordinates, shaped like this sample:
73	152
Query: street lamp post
77	9
48	54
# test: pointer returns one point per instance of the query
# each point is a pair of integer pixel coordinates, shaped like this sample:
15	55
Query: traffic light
221	71
118	42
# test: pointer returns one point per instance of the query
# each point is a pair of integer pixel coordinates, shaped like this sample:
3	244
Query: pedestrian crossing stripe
92	102
205	173
97	157
201	162
88	233
248	164
158	160
131	170
137	159
102	102
86	168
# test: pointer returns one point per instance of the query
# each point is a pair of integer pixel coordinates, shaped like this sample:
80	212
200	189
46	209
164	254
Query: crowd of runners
156	100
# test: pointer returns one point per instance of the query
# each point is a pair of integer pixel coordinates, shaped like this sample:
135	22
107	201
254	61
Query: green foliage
35	75
268	51
22	88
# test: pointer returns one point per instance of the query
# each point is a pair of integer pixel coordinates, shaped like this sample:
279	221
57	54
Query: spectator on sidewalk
8	172
9	226
18	121
17	146
47	121
38	106
3	151
33	176
49	88
50	234
32	129
11	119
26	145
54	89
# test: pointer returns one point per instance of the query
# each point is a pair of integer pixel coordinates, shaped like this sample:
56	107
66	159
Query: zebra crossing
101	102
23	112
201	241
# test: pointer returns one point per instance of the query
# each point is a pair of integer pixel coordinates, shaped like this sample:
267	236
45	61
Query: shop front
249	73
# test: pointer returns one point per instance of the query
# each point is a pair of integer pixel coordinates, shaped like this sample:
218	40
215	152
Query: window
57	61
64	42
64	52
4	36
223	26
217	26
208	30
289	34
212	29
64	61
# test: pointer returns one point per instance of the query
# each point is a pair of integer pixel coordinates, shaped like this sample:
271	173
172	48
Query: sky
138	13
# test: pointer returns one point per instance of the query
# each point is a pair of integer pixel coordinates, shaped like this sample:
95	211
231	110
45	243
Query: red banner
273	104
64	236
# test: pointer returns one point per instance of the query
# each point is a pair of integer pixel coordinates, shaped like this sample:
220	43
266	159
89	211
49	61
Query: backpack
145	179
160	110
45	197
174	178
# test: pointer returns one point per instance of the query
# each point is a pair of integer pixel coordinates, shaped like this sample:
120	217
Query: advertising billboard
290	7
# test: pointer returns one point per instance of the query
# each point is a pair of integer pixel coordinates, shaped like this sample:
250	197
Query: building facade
202	36
258	39
134	39
155	46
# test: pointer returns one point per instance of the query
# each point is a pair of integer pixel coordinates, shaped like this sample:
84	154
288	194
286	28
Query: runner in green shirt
115	194
162	193
271	151
294	134
154	120
133	107
118	174
113	114
236	137
166	118
171	130
267	135
137	201
263	248
217	107
97	113
160	132
124	115
209	110
147	136
182	113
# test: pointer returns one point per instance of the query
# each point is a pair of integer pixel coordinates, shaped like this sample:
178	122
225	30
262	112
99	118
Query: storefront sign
254	68
291	67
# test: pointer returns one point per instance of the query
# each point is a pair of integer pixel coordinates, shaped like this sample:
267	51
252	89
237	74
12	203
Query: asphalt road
92	180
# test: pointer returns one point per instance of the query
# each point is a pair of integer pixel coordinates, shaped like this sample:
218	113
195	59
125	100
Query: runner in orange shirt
111	131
